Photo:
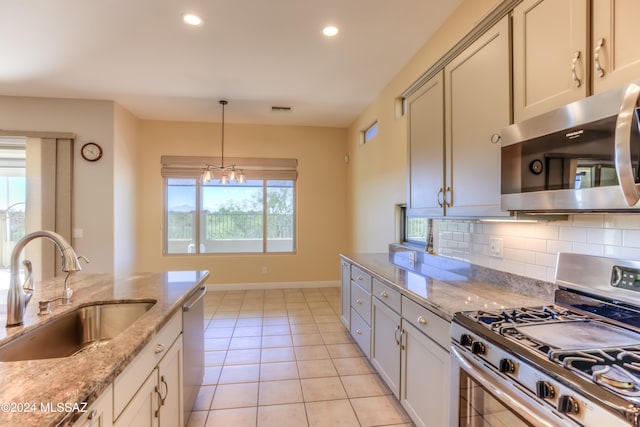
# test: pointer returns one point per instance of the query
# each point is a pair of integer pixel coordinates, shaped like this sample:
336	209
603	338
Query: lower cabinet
158	402
424	378
385	344
100	413
345	289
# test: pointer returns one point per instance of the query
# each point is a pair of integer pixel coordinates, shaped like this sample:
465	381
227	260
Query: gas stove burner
500	319
614	376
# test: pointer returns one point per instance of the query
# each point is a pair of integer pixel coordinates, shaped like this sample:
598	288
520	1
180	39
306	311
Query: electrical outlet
495	247
265	270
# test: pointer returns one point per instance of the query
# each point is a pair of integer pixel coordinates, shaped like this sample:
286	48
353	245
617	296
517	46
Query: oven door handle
624	167
510	396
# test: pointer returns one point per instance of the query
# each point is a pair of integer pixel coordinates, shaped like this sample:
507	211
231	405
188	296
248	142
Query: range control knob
478	348
568	405
544	390
466	340
507	366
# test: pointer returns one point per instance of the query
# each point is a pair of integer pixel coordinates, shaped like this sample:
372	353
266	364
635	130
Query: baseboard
271	285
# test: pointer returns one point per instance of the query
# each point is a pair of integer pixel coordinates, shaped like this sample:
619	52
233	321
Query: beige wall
377	172
321	198
93	193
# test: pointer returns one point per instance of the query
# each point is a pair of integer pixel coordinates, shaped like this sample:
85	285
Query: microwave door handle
624	168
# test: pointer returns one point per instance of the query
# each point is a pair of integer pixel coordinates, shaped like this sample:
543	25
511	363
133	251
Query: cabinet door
345	312
477	108
142	409
615	38
170	386
550	56
100	413
385	350
425	120
425	379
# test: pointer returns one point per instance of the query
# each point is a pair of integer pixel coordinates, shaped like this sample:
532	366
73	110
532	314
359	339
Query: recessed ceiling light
330	31
191	19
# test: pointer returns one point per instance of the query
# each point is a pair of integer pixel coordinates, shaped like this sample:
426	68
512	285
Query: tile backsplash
530	249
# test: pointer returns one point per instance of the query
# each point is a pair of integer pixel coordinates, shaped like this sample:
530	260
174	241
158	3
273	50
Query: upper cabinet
425	118
454	123
616	57
555	62
477	107
550	55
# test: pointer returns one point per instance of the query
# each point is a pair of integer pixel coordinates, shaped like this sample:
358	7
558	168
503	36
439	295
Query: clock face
91	151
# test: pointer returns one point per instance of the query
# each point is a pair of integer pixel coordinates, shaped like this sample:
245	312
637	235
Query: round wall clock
91	151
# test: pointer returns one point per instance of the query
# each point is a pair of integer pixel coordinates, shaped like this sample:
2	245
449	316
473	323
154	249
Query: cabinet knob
359	331
422	320
359	301
159	348
360	278
495	138
383	294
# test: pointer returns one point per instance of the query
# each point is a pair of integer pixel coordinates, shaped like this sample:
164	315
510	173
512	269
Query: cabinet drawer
127	383
361	278
361	332
387	295
361	302
427	322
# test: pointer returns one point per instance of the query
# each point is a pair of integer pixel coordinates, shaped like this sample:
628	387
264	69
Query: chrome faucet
19	296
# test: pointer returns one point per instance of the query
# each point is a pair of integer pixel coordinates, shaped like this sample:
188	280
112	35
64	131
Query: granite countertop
83	377
444	292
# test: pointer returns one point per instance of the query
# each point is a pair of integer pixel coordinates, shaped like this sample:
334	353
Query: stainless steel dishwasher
193	340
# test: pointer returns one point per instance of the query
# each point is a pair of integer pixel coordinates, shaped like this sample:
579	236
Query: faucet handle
28	279
84	258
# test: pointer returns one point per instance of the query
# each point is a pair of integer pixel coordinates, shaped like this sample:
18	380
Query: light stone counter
82	377
448	291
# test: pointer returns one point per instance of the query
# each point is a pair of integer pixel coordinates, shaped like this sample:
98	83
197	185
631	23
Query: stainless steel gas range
575	362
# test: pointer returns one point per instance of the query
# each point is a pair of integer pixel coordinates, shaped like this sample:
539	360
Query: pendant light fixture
226	173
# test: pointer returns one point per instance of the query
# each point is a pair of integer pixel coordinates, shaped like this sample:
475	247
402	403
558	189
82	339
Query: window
370	132
414	229
255	217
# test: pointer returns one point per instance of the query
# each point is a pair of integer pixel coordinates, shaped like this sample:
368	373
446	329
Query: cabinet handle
159	348
166	387
359	331
574	75
91	417
402	334
395	335
596	58
448	203
359	301
157	411
495	138
422	320
383	294
441	203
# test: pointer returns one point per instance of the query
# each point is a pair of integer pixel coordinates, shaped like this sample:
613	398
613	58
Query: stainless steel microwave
583	157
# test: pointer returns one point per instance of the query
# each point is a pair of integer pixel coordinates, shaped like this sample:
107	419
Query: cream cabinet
615	35
149	391
550	55
477	107
454	123
425	121
345	294
100	413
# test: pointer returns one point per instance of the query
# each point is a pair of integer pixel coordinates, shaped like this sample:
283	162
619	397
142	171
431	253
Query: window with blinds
257	216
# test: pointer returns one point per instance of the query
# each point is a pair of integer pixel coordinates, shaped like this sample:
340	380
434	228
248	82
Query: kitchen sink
83	328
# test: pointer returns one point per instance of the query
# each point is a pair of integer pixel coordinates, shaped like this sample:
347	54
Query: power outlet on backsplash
495	247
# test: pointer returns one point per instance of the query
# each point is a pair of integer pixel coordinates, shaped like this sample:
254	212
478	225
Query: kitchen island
57	391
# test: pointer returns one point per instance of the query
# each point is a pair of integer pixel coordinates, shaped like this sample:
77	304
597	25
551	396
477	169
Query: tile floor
283	358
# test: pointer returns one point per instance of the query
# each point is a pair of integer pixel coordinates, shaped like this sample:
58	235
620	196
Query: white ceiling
255	53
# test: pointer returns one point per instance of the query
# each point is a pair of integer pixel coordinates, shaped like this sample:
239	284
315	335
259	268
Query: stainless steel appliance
193	340
584	156
575	362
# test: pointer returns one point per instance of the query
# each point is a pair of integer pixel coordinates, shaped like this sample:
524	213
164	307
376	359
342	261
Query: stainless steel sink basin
78	330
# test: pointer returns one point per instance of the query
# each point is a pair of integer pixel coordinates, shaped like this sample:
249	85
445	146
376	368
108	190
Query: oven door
482	397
